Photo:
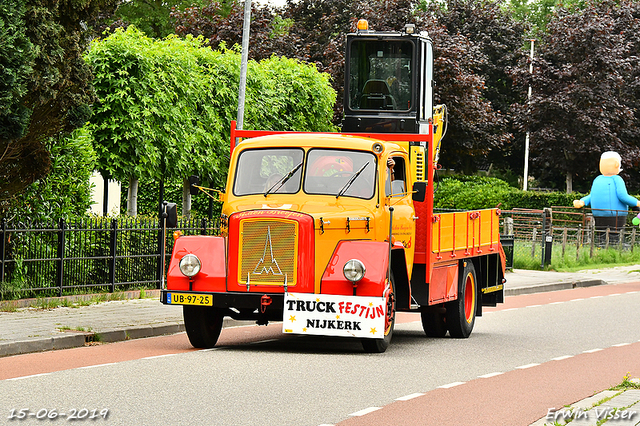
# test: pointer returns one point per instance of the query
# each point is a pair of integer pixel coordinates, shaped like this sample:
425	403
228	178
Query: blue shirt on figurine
608	197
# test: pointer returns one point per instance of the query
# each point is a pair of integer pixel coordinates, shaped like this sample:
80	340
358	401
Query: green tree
585	94
468	35
65	192
166	105
157	115
495	41
45	84
153	17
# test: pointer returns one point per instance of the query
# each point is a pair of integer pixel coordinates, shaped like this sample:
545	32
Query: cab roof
318	140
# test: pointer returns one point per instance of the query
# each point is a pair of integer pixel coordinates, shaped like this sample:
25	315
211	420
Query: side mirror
194	180
419	191
169	212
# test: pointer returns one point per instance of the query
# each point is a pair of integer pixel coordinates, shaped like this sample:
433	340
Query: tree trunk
132	197
186	199
569	180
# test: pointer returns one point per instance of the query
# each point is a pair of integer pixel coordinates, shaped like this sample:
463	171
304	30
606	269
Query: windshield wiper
350	181
283	180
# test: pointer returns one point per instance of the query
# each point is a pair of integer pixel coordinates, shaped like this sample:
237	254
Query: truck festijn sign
331	315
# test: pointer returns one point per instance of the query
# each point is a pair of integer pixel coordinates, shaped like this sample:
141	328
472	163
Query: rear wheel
461	313
203	325
433	321
380	345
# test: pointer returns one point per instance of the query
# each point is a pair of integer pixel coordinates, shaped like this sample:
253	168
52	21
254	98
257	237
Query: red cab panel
375	257
211	252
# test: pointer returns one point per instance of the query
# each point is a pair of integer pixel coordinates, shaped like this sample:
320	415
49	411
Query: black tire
378	346
434	323
203	325
461	313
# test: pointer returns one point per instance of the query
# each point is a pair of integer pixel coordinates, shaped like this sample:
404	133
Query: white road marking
522	367
560	358
408	397
365	411
96	366
28	377
450	385
159	356
486	376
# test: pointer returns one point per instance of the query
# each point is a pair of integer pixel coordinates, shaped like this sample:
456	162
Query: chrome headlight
354	270
190	265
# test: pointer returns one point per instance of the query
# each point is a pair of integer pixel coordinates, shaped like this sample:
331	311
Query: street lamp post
243	63
526	139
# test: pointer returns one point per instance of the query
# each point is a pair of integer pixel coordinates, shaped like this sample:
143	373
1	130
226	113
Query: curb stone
80	339
542	288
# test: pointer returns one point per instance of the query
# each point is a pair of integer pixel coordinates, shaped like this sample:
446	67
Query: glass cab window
340	173
380	75
269	171
396	178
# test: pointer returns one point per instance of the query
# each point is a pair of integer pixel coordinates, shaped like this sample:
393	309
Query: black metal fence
79	256
565	232
115	254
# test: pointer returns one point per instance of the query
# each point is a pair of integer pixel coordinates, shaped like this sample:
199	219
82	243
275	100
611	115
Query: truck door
398	196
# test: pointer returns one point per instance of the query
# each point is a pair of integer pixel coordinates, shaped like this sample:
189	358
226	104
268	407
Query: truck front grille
268	252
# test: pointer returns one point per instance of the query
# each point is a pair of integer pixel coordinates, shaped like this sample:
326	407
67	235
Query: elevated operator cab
388	81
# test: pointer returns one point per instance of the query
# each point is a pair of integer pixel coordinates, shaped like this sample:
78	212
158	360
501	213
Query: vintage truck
333	233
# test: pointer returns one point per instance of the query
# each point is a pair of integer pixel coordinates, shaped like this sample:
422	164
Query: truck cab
297	208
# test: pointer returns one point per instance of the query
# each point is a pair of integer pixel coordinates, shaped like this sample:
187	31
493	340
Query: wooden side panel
472	233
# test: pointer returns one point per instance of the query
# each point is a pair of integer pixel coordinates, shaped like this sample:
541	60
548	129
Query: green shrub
472	192
480	192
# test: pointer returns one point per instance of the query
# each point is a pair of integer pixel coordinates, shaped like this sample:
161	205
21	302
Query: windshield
380	75
259	170
329	171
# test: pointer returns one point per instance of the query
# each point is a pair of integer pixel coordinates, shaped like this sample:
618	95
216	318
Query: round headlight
190	265
354	270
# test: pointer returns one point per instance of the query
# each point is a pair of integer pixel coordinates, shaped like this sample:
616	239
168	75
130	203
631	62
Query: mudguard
375	257
211	252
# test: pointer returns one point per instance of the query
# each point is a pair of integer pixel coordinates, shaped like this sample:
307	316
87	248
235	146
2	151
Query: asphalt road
517	360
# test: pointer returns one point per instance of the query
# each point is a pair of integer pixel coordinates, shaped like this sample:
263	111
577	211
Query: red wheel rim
469	298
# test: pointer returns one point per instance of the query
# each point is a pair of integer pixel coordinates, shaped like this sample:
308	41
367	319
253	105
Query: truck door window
259	169
328	170
380	75
396	182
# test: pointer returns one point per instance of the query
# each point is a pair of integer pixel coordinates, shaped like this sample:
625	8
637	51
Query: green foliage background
478	192
66	191
165	107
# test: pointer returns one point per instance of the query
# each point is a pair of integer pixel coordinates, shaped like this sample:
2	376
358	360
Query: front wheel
461	313
203	325
377	346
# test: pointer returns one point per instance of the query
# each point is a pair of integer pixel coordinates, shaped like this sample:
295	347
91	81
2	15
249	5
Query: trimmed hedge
479	192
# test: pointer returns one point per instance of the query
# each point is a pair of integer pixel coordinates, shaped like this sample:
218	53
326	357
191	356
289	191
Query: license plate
189	299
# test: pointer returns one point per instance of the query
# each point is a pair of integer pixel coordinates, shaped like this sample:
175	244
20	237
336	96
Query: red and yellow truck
333	233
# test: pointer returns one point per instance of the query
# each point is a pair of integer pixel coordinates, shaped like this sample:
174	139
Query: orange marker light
177	234
363	25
